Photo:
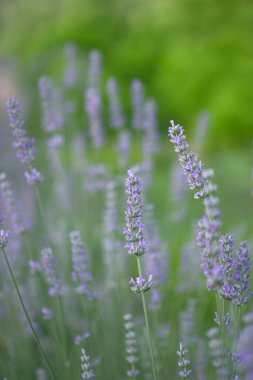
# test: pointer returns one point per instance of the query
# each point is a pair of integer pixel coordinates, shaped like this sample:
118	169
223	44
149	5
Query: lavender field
125	243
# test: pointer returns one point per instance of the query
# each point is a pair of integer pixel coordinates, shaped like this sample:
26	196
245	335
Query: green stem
62	332
219	304
237	318
42	212
28	317
151	349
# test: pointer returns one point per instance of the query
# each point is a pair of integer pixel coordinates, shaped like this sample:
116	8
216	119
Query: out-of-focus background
191	55
193	60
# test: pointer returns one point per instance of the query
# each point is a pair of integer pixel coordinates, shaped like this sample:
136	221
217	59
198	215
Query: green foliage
191	54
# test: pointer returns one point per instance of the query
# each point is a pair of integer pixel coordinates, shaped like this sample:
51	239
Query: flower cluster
49	263
81	264
117	119
10	204
183	363
207	235
33	176
47	313
52	119
217	354
111	240
157	261
209	255
151	143
192	167
237	267
70	73
134	235
87	371
4	238
131	346
93	101
78	339
138	104
24	144
140	285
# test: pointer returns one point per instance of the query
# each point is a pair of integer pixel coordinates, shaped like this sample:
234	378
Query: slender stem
219	302
147	324
237	318
42	212
62	332
28	317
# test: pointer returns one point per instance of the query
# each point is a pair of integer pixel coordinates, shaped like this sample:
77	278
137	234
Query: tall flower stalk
227	273
136	246
4	237
24	145
183	363
131	346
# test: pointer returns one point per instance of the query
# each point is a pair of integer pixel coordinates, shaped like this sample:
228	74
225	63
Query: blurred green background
190	54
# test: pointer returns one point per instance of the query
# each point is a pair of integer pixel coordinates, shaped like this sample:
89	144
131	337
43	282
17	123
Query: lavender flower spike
81	264
136	244
49	263
140	285
241	276
4	238
237	267
24	145
33	176
131	346
87	371
183	363
192	167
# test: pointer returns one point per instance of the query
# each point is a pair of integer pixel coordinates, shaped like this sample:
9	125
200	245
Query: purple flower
240	286
4	238
217	353
24	145
34	267
192	167
49	263
95	178
46	313
33	177
151	143
52	118
183	363
93	100
10	204
131	346
78	339
157	261
111	240
81	264
237	267
226	247
242	273
209	254
87	371
117	119
55	141
140	285
95	68
137	104
123	147
70	72
177	137
133	232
